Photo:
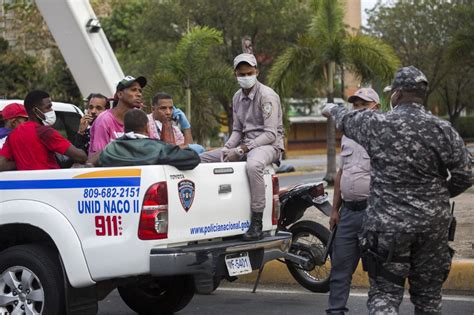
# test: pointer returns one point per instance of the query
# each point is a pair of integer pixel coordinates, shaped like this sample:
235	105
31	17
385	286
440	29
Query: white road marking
461	298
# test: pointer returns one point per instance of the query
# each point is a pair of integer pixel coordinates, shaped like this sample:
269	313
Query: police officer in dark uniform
418	162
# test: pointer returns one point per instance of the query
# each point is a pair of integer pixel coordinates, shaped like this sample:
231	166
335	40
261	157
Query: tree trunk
331	130
188	104
343	90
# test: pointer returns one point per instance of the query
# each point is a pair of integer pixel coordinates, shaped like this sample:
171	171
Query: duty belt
356	205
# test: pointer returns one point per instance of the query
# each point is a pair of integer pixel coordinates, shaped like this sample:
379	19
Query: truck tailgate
213	200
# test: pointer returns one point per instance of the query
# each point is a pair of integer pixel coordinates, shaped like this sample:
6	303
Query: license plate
238	264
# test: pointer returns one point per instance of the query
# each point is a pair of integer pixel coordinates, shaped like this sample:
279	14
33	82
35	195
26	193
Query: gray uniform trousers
344	259
428	267
257	159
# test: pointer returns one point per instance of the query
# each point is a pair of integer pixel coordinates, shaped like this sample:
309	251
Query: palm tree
194	74
326	45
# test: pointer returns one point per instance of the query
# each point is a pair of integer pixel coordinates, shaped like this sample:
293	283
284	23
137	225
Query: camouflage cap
408	79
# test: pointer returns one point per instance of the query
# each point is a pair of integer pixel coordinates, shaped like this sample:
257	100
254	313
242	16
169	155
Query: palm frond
194	48
220	79
297	62
165	82
370	58
204	113
327	25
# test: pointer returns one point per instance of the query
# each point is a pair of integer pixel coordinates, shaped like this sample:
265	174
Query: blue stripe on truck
69	183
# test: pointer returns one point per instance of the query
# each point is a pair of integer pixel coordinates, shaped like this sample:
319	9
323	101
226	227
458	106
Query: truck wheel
164	295
314	237
31	280
216	281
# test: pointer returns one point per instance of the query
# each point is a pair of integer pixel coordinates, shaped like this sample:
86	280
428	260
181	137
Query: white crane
83	44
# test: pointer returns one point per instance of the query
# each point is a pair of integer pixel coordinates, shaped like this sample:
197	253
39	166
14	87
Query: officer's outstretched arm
354	124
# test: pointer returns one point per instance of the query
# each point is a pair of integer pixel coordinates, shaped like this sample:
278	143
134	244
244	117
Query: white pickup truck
68	237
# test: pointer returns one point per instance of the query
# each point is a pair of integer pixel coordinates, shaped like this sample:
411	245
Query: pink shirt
154	130
104	129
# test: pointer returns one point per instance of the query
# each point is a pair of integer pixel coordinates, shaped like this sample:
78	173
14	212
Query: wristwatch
240	151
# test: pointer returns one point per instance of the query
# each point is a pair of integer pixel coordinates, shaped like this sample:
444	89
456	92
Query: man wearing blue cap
418	162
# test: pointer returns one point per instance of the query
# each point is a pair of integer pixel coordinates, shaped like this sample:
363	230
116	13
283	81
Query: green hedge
465	127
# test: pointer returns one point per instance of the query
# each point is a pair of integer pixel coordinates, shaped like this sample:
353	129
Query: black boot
254	233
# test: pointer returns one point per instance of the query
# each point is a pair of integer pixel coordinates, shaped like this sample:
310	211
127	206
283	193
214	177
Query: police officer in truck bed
257	135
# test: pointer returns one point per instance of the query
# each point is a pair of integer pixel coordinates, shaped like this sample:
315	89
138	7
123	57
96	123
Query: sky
366	4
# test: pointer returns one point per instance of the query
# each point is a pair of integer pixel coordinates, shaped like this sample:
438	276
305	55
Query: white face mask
248	81
49	118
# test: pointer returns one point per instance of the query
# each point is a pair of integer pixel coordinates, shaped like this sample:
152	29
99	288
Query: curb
461	277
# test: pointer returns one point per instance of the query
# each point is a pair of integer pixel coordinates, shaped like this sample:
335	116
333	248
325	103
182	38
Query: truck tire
31	278
164	295
316	236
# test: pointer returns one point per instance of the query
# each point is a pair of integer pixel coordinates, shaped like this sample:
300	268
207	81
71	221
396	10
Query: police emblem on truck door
186	193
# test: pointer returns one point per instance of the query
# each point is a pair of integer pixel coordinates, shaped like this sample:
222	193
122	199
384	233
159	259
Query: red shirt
32	146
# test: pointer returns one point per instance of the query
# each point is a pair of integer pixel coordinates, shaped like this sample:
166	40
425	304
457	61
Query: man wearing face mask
418	162
351	190
257	135
33	144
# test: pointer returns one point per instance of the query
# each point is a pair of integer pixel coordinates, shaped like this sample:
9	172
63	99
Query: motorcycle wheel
316	236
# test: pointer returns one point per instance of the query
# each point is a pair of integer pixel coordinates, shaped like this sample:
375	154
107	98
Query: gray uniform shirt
411	151
257	118
355	164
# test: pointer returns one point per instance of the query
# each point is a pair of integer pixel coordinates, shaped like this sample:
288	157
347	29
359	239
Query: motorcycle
307	258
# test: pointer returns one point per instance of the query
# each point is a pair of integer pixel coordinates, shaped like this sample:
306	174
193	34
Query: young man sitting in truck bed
136	148
33	144
163	113
109	125
96	105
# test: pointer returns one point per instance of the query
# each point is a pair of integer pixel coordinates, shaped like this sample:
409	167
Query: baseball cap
248	58
129	80
367	94
14	110
409	79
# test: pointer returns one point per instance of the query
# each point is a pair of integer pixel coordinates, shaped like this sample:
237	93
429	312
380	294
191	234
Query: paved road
234	299
307	161
287	179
